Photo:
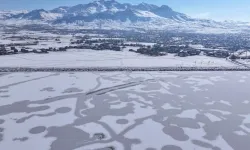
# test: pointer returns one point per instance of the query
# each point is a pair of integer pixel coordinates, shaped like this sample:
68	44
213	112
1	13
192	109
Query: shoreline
113	69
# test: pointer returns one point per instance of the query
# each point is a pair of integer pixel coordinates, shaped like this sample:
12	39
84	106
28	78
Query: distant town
229	47
181	44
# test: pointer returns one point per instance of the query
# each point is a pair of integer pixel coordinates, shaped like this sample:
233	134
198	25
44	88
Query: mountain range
111	14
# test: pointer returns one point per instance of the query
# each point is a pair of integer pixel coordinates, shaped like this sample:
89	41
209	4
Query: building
183	53
3	50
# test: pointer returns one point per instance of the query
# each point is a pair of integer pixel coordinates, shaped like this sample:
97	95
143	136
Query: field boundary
112	69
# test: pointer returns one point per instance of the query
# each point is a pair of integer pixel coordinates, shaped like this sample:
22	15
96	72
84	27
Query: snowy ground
122	110
92	58
46	40
247	61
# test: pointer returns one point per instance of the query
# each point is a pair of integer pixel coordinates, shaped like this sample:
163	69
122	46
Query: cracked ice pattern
125	110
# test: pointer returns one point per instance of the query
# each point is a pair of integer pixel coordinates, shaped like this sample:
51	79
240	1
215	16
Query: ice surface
124	110
212	117
188	114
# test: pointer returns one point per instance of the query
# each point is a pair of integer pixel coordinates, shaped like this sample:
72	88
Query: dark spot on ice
63	110
202	144
72	90
122	121
48	89
1	121
144	106
1	137
150	149
99	136
4	91
1	129
171	147
176	133
67	137
216	148
111	148
5	96
37	130
135	141
107	148
83	112
21	139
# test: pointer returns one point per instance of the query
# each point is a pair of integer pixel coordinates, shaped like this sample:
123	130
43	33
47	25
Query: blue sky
238	10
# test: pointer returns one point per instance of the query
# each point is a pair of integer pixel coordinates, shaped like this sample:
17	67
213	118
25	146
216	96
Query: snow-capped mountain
39	14
8	14
102	10
112	14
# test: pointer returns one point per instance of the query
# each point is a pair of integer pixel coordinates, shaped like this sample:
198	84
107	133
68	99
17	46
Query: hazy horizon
206	9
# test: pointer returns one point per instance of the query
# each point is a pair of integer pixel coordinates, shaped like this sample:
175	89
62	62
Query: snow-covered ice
124	110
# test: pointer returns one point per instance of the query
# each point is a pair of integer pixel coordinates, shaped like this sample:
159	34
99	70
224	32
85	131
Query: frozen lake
125	110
